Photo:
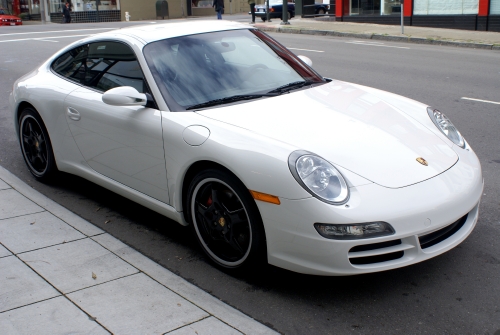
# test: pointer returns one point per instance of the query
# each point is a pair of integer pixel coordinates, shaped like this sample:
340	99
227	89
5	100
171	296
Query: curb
392	38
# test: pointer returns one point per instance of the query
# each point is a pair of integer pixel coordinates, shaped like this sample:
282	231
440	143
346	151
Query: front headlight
444	124
318	177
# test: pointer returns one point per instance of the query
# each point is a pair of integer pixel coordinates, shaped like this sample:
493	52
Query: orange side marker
265	197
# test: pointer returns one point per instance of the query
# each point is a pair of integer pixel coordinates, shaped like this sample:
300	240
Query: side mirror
306	60
124	96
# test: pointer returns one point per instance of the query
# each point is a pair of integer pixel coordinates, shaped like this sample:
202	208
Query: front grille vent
377	252
442	234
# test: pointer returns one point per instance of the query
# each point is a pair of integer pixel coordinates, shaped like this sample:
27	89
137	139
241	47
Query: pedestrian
252	9
219	8
66	13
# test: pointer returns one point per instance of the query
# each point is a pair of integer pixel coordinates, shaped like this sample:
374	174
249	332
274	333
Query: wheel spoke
235	245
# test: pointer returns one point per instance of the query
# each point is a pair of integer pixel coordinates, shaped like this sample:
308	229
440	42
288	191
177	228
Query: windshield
196	69
3	12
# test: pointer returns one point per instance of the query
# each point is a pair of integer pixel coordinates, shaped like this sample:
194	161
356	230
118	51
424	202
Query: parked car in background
6	19
321	8
275	10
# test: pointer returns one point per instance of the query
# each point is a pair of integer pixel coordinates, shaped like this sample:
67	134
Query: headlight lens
444	124
318	177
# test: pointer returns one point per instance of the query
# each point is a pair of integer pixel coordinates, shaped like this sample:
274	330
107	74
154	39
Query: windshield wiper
291	86
230	99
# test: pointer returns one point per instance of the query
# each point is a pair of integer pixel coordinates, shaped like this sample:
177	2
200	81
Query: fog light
354	231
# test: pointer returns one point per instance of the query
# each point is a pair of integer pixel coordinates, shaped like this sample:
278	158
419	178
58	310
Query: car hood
9	17
350	126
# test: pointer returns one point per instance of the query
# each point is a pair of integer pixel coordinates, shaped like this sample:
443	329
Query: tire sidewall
26	114
256	251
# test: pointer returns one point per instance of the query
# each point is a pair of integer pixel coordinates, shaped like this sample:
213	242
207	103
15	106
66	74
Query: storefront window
201	3
365	7
85	5
391	7
445	7
495	7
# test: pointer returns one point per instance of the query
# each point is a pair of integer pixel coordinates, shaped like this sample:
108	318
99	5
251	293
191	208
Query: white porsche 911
216	125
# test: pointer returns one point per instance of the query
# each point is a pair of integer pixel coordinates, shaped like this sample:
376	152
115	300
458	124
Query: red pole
16	7
339	8
483	7
407	8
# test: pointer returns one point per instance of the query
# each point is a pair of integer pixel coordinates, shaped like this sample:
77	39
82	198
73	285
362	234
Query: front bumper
413	211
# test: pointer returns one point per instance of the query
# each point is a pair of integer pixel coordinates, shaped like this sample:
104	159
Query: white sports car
216	125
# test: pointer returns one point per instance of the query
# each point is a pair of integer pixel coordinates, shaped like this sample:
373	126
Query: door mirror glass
306	60
124	96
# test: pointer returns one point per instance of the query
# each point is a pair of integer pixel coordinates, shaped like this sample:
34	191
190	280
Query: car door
123	143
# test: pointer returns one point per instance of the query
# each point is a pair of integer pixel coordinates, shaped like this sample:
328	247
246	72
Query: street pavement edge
208	303
373	36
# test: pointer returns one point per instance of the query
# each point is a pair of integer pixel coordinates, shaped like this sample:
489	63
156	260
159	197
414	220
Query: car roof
155	32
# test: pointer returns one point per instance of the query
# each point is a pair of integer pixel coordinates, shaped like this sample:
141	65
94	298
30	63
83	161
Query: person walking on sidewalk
66	13
219	8
252	9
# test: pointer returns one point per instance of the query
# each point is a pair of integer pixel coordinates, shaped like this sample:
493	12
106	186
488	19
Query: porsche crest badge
422	161
222	222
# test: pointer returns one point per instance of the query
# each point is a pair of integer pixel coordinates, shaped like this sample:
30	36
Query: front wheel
263	19
35	145
226	220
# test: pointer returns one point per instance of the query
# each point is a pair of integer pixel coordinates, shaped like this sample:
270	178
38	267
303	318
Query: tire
289	15
321	11
263	19
35	145
225	220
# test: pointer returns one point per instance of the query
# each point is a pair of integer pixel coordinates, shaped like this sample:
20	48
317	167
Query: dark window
72	64
102	66
113	64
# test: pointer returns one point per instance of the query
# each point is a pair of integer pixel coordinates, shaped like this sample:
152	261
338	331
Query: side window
113	64
72	64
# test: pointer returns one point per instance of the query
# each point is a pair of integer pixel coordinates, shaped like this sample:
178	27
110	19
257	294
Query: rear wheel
289	15
321	11
263	19
225	220
35	145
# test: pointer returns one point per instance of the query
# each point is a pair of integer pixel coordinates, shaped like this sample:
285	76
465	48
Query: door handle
73	114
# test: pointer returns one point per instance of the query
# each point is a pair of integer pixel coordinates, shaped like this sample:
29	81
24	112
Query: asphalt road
455	293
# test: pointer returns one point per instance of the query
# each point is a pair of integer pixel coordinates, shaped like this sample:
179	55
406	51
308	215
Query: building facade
115	10
455	14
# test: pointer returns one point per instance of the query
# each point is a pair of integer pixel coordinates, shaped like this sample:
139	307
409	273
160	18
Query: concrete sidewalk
60	274
423	35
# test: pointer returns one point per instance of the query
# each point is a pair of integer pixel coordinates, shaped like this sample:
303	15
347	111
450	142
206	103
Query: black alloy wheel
35	145
225	220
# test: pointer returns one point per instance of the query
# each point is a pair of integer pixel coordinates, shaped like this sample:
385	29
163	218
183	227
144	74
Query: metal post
42	10
402	18
268	17
284	13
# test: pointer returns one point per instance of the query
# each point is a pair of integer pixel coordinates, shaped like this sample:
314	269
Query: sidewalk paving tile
70	266
4	252
14	204
136	305
208	326
30	232
57	316
64	214
209	303
19	285
3	185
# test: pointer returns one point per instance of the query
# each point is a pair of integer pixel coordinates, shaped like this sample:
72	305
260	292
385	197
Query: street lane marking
487	101
43	38
305	50
376	44
54	31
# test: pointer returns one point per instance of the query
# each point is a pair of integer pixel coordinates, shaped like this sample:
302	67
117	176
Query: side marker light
265	197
